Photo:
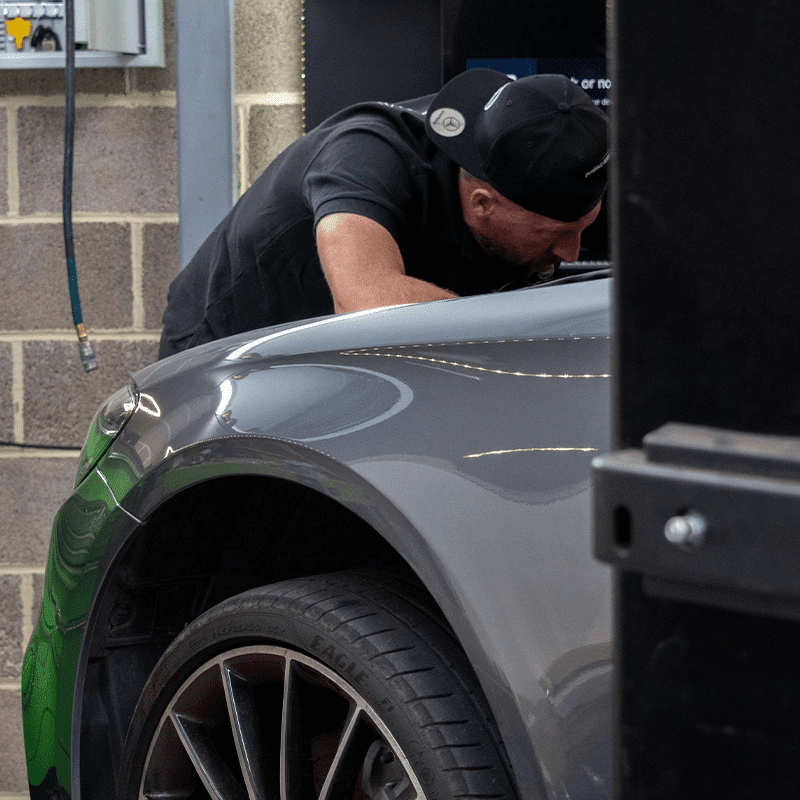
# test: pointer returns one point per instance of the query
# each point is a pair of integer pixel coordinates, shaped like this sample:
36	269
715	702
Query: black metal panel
708	701
742	494
705	220
358	50
701	525
473	29
707	214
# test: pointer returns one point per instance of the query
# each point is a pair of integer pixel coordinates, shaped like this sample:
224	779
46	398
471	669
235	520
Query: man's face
523	241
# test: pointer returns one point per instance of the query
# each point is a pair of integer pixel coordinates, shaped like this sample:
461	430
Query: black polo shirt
260	266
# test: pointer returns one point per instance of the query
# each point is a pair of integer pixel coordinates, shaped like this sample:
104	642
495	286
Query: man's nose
568	247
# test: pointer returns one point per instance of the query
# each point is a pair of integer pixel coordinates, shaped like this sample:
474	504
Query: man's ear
482	202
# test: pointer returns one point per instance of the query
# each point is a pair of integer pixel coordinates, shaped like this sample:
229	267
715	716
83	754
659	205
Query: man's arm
364	268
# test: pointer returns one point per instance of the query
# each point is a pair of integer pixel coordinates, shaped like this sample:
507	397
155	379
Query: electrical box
108	33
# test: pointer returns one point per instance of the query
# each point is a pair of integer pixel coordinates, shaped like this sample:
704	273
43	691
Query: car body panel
81	536
461	431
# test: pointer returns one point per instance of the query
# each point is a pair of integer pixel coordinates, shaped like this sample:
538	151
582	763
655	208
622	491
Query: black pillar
705	226
707	218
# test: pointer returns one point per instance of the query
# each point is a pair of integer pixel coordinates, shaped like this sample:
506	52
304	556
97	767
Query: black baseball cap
540	140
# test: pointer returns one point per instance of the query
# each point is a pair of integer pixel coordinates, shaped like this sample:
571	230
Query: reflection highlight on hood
148	404
294	400
248	350
383	352
534	450
226	393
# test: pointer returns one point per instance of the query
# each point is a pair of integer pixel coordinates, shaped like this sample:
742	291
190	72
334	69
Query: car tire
332	687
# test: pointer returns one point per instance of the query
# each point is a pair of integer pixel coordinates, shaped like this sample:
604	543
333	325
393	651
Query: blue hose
86	352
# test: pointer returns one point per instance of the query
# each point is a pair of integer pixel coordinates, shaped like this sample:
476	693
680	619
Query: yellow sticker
18	28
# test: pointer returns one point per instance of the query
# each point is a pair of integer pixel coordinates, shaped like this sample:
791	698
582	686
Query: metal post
206	156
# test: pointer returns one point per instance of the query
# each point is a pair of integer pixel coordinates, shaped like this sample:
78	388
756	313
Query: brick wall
125	219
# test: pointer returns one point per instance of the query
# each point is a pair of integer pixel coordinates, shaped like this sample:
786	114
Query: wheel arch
301	511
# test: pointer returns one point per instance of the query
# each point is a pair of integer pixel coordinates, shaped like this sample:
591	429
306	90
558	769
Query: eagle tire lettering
342	661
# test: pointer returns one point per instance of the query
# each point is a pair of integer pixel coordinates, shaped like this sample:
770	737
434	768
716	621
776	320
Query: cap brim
467	93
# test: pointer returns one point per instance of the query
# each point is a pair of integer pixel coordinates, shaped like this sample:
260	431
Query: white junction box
108	33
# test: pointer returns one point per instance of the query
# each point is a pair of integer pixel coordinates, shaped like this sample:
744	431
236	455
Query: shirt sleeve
359	172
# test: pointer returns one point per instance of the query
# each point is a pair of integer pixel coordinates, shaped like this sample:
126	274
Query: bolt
687	531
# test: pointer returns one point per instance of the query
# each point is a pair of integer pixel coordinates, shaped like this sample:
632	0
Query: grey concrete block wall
160	256
3	162
31	490
160	80
268	46
12	774
270	130
11	627
6	394
33	256
269	81
12	765
127	250
50	82
126	159
125	223
60	399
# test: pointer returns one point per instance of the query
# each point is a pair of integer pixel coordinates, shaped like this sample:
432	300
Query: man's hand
364	267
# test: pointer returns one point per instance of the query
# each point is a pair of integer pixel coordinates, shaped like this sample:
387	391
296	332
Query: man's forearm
364	267
396	291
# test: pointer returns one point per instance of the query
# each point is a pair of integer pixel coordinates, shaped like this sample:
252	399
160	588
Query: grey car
347	557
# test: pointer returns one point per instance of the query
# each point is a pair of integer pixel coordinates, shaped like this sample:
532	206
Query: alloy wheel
263	722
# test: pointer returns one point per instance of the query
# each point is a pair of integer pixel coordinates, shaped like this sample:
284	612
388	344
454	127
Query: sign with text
589	73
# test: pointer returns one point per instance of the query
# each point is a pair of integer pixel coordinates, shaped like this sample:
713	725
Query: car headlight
106	425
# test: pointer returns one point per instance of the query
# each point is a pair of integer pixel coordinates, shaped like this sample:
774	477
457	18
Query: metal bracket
705	515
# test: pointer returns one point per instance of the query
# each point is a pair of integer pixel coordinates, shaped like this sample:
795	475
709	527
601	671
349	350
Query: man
490	181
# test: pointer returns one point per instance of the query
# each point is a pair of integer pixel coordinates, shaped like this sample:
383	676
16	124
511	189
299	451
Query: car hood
568	309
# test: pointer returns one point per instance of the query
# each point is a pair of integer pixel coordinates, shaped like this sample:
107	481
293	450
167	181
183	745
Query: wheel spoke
212	770
346	767
170	773
297	781
241	698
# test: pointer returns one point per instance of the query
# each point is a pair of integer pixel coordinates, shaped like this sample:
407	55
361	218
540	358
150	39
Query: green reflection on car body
51	660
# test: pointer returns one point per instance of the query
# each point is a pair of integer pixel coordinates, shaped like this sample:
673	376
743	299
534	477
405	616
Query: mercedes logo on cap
448	122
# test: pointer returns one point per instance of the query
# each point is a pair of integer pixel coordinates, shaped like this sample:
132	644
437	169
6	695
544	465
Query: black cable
29	446
87	354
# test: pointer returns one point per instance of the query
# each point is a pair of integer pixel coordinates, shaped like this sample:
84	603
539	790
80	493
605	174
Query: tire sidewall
218	632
